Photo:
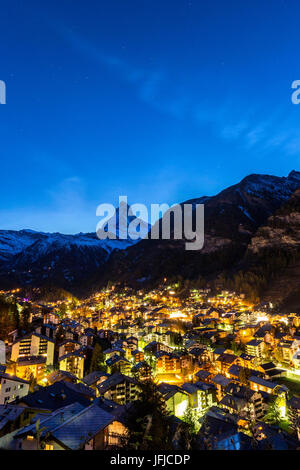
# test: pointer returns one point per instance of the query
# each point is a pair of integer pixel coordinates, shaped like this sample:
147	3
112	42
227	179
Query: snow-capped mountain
13	242
83	262
35	258
25	242
232	218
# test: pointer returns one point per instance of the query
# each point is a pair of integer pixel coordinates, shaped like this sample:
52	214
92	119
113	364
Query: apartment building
73	362
30	366
241	400
119	388
255	348
33	344
201	395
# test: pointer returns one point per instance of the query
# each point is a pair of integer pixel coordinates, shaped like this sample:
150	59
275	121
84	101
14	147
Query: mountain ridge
81	262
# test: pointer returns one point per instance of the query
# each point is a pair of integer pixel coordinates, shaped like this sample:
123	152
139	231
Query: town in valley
102	372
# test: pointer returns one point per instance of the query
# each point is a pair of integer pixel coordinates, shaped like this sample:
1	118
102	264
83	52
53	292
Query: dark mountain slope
30	258
275	250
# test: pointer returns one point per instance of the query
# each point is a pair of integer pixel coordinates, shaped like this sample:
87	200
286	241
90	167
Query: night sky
160	100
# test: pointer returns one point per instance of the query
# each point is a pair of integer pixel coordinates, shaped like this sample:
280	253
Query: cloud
231	119
292	147
234	131
152	85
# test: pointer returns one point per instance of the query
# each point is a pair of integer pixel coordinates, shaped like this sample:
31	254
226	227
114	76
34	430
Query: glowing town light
177	315
282	410
181	408
262	318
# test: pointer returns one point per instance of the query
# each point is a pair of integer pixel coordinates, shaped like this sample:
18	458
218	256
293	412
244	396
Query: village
217	362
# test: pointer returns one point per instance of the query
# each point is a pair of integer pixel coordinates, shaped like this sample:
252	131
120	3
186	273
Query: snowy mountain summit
232	218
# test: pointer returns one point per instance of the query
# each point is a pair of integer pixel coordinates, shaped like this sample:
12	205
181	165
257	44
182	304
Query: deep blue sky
160	100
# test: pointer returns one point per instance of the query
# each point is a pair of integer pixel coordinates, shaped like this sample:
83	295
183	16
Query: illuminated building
33	344
29	366
73	362
201	395
255	348
176	398
119	388
142	370
120	364
68	346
